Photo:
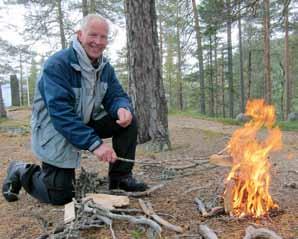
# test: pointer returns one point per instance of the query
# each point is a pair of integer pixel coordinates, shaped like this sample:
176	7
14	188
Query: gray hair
87	19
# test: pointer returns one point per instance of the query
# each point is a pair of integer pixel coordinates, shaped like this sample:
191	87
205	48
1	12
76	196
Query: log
252	233
206	232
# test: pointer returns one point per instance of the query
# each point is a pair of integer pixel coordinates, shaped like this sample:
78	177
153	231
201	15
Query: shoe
127	183
12	183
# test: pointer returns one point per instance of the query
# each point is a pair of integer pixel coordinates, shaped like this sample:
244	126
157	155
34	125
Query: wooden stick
201	207
139	194
148	210
252	233
206	232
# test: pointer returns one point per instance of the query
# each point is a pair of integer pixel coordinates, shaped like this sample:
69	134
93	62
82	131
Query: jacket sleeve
60	101
115	96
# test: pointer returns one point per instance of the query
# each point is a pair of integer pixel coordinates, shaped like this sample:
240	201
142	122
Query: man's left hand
124	117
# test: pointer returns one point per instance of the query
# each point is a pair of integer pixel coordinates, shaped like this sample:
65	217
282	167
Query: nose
101	40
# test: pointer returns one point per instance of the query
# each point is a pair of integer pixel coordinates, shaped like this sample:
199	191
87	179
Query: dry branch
148	210
139	194
252	233
201	207
206	232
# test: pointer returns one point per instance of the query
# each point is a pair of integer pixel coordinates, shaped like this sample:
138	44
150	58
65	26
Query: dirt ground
191	138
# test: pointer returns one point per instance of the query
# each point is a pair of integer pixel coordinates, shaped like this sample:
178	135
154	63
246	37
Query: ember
247	188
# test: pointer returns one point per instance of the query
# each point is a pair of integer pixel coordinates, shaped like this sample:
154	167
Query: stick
139	194
251	233
201	207
97	209
148	209
206	232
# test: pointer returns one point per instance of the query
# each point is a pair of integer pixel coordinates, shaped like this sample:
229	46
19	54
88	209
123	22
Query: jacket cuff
95	145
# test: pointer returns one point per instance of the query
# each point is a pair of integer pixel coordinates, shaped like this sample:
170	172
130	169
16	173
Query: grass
284	125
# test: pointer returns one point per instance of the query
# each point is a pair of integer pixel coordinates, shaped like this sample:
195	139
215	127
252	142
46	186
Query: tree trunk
230	61
211	86
179	64
145	81
288	95
61	25
2	107
200	58
267	67
15	90
223	83
92	6
215	78
242	95
85	7
249	74
21	92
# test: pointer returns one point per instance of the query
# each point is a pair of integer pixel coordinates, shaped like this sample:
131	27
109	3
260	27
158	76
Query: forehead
96	25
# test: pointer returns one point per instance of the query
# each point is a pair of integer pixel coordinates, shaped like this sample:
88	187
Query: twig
148	209
201	207
206	232
138	194
251	233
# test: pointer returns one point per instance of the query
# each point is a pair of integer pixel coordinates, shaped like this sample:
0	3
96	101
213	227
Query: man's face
94	38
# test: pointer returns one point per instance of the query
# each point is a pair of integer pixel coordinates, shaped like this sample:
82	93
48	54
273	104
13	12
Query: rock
242	118
293	116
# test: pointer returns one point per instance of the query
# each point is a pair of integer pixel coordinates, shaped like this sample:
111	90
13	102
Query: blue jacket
58	130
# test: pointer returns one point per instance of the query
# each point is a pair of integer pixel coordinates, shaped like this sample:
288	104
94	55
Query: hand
124	117
105	153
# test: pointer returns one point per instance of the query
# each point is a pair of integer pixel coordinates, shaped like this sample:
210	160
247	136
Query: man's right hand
105	153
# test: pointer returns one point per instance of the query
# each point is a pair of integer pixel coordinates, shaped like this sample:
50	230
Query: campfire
247	187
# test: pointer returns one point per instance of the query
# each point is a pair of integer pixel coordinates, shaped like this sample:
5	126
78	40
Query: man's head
93	35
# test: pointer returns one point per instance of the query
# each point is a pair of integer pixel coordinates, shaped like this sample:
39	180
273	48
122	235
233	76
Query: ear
79	35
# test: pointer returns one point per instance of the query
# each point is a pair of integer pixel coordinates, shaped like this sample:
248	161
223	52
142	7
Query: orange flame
250	176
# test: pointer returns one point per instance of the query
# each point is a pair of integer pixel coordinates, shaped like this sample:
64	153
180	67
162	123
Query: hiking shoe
127	183
12	183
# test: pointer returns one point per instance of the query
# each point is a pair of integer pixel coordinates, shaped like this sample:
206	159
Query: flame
249	178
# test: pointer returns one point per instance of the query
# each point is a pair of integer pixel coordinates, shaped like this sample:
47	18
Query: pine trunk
85	7
2	107
288	87
242	95
200	58
230	61
61	26
267	67
179	64
145	81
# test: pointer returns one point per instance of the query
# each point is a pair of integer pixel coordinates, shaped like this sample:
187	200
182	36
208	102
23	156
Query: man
78	101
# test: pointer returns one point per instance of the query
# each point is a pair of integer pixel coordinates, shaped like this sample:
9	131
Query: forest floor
191	138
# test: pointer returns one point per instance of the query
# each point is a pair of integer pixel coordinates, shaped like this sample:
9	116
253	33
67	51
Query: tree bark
179	63
230	60
249	74
85	7
2	107
267	66
61	25
92	6
145	81
288	85
200	58
223	83
211	85
15	90
242	95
